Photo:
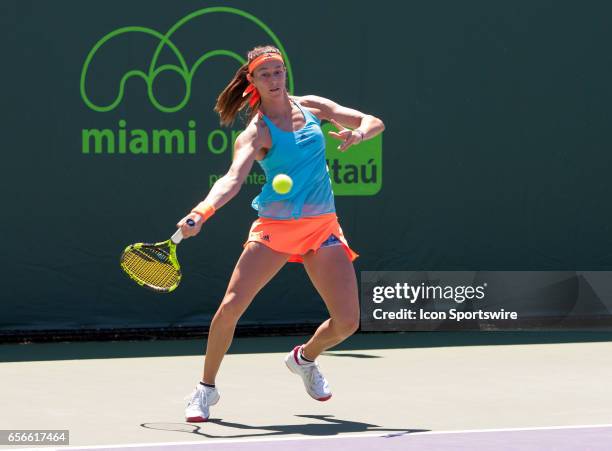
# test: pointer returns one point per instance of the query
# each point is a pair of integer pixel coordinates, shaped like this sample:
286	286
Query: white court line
217	441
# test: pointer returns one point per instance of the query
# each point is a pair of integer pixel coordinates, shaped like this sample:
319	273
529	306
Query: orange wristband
205	210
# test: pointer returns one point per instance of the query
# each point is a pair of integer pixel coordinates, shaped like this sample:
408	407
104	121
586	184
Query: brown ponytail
230	102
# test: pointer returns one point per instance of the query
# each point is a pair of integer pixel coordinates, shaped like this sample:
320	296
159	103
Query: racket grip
178	235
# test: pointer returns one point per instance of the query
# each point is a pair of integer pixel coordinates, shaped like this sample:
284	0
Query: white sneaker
316	385
200	400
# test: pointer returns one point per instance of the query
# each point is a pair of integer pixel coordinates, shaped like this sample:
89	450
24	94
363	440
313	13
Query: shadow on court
330	426
256	345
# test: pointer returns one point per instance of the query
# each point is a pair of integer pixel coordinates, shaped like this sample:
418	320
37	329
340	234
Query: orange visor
264	59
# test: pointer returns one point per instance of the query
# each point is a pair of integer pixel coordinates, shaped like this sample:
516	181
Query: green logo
124	138
181	68
358	171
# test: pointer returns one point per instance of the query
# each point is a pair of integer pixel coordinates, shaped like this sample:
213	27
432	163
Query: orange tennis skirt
299	236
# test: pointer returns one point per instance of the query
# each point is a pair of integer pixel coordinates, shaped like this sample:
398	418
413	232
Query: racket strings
159	274
151	266
153	254
153	274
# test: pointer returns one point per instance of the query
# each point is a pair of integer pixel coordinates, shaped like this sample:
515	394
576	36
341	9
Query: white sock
302	360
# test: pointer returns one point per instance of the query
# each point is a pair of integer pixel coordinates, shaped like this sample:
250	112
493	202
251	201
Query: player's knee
232	307
347	326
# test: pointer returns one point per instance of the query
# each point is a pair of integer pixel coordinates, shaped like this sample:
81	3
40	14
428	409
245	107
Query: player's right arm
248	143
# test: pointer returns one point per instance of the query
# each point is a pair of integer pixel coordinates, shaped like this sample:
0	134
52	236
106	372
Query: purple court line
588	438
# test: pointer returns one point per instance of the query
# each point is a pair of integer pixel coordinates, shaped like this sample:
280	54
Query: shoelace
314	374
195	396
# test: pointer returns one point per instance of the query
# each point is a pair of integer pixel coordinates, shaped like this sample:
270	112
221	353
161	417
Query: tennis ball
282	183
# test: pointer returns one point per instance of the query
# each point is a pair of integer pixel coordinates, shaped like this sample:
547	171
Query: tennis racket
154	265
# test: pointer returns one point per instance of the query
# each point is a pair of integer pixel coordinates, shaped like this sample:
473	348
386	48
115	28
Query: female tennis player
284	136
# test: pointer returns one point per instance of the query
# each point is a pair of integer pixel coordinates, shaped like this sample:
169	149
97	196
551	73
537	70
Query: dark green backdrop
496	150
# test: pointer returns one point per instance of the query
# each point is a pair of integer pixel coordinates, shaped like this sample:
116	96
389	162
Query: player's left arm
353	125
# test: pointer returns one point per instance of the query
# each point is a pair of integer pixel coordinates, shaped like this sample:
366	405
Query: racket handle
178	235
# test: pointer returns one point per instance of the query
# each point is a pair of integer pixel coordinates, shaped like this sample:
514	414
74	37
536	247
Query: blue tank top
300	155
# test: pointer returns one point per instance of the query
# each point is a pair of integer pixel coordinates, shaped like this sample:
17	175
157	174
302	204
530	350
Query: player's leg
255	267
333	275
